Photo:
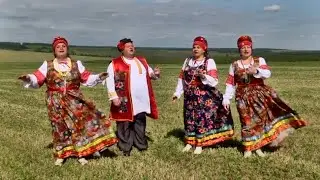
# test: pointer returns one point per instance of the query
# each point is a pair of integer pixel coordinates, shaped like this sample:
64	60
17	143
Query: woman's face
246	51
61	50
197	51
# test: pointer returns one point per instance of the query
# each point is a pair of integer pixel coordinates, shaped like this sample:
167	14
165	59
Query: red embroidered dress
78	128
264	116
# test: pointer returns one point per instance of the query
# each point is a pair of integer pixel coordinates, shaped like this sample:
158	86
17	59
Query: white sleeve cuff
262	73
225	101
258	75
112	95
93	80
208	80
33	82
112	98
177	94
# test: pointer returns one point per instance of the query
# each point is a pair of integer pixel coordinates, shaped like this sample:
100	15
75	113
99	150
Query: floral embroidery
206	121
263	115
78	128
120	88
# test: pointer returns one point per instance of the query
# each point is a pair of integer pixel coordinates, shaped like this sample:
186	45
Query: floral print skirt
78	128
206	121
265	118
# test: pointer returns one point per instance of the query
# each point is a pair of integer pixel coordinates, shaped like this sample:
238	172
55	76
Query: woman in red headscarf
78	128
265	118
206	122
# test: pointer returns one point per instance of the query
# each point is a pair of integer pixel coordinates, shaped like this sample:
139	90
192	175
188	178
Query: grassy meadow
25	131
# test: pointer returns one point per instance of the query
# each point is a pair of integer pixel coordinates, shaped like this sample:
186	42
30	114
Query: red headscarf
201	41
58	40
243	41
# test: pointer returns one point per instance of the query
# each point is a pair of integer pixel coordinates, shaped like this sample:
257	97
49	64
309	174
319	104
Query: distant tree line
169	55
13	46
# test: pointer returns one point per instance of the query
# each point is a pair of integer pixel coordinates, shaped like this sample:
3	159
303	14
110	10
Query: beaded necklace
63	74
246	76
193	76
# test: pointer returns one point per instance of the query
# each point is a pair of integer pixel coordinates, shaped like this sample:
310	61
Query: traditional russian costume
130	81
78	128
206	122
265	118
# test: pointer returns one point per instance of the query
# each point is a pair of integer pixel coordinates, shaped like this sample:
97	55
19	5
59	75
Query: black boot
126	153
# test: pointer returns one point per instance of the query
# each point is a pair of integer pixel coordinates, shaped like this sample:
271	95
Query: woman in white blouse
78	128
265	118
206	122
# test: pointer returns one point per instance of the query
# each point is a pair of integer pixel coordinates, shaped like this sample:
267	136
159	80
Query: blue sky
287	24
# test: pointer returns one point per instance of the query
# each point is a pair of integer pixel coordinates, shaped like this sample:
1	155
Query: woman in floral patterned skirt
78	128
206	122
265	118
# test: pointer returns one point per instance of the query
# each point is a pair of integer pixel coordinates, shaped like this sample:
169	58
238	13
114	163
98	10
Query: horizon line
156	47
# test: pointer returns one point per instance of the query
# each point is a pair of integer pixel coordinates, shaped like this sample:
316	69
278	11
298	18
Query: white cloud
161	37
161	14
226	34
171	1
197	13
257	35
162	1
119	14
2	1
273	7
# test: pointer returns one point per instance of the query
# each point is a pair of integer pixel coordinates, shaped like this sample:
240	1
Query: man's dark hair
123	41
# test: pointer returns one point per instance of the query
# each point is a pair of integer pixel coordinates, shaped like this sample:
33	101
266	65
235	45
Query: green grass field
25	131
